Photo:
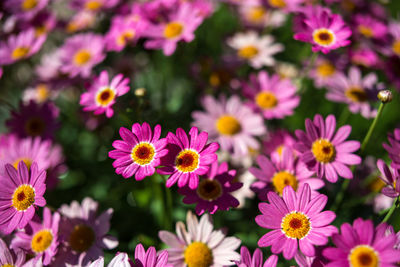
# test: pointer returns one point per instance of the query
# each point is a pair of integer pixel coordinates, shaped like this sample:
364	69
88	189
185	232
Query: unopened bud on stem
385	96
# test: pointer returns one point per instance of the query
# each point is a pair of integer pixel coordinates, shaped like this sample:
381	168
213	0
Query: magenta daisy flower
10	257
356	91
325	152
230	123
93	5
362	245
102	94
369	27
187	158
246	260
84	235
40	238
214	191
275	141
180	26
139	152
25	9
150	258
394	46
280	171
80	53
391	177
325	32
21	192
296	221
34	120
393	147
324	72
21	46
285	5
270	95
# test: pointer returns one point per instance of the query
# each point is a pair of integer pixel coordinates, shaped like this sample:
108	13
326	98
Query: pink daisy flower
80	53
365	57
34	120
325	153
21	46
270	95
84	235
200	244
276	141
324	72
102	94
254	14
393	147
296	220
391	177
25	9
362	245
180	26
246	260
187	158
286	5
280	171
139	152
394	31
325	32
356	91
22	191
233	125
370	27
214	191
93	5
40	238
10	257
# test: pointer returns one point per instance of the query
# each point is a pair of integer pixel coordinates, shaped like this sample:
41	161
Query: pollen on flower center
363	256
42	92
81	238
356	94
282	179
143	153
7	265
323	150
296	225
23	197
173	30
34	126
187	160
323	37
277	3
248	52
93	5
20	52
198	254
82	57
256	14
41	241
366	31
326	69
126	35
228	125
27	161
29	4
266	100
105	96
209	189
396	47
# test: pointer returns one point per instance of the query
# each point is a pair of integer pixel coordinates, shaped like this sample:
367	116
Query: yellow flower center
366	31
81	238
93	5
40	30
396	47
198	254
35	126
187	160
266	100
41	241
173	30
279	149
326	69
27	161
143	153
323	150
209	189
376	185
348	5
7	265
356	94
43	92
28	4
256	14
82	57
20	52
277	3
214	79
296	225
363	256
105	96
282	179
125	36
248	52
324	37
23	197
228	125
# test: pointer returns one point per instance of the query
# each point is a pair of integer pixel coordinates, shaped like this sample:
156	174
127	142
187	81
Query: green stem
372	128
389	214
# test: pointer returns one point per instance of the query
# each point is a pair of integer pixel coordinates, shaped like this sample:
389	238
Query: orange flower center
143	153
173	30
323	37
187	160
23	197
